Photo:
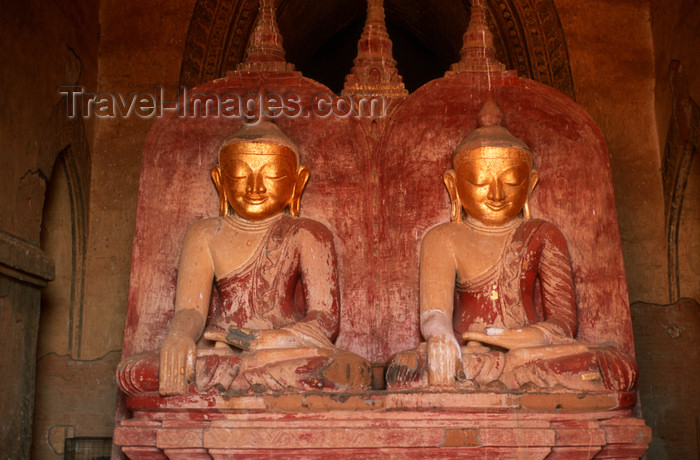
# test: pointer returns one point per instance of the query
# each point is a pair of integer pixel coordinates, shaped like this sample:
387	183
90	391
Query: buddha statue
497	295
275	273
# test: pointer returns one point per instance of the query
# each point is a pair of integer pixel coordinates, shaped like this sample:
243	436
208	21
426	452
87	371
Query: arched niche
681	176
321	37
60	362
63	238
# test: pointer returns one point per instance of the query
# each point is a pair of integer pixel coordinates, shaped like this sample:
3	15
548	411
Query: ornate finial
478	53
374	71
265	52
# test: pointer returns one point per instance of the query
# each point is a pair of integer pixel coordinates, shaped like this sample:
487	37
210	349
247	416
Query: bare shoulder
441	237
204	229
444	232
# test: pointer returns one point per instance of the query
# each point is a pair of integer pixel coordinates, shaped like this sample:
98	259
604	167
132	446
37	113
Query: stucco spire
265	52
374	71
478	52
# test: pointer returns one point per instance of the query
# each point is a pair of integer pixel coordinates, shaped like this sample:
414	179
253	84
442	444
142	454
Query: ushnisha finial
265	52
478	52
490	131
374	71
490	114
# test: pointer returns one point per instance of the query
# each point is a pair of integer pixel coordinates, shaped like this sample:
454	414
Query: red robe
262	294
532	284
291	283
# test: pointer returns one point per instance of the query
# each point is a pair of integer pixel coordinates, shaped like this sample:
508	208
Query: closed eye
237	176
514	177
477	181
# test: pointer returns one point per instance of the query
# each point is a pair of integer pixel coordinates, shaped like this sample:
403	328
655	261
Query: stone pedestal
385	425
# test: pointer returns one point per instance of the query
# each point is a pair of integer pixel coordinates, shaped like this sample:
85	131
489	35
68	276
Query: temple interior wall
689	236
611	52
44	46
619	53
674	27
674	30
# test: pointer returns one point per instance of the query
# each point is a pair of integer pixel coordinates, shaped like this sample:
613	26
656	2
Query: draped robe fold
289	283
531	284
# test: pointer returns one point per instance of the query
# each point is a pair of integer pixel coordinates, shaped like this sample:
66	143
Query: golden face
259	180
493	184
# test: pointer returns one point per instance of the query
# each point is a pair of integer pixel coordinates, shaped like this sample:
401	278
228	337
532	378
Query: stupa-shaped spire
478	52
374	71
265	52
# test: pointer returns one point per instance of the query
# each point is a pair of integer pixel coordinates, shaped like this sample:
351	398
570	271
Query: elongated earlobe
302	179
456	210
451	184
223	201
534	178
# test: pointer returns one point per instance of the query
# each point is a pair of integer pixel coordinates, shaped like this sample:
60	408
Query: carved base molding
385	425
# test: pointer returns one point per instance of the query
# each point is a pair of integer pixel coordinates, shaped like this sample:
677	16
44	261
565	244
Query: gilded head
493	174
259	174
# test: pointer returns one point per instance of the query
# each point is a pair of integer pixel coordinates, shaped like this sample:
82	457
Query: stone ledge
23	261
382	401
